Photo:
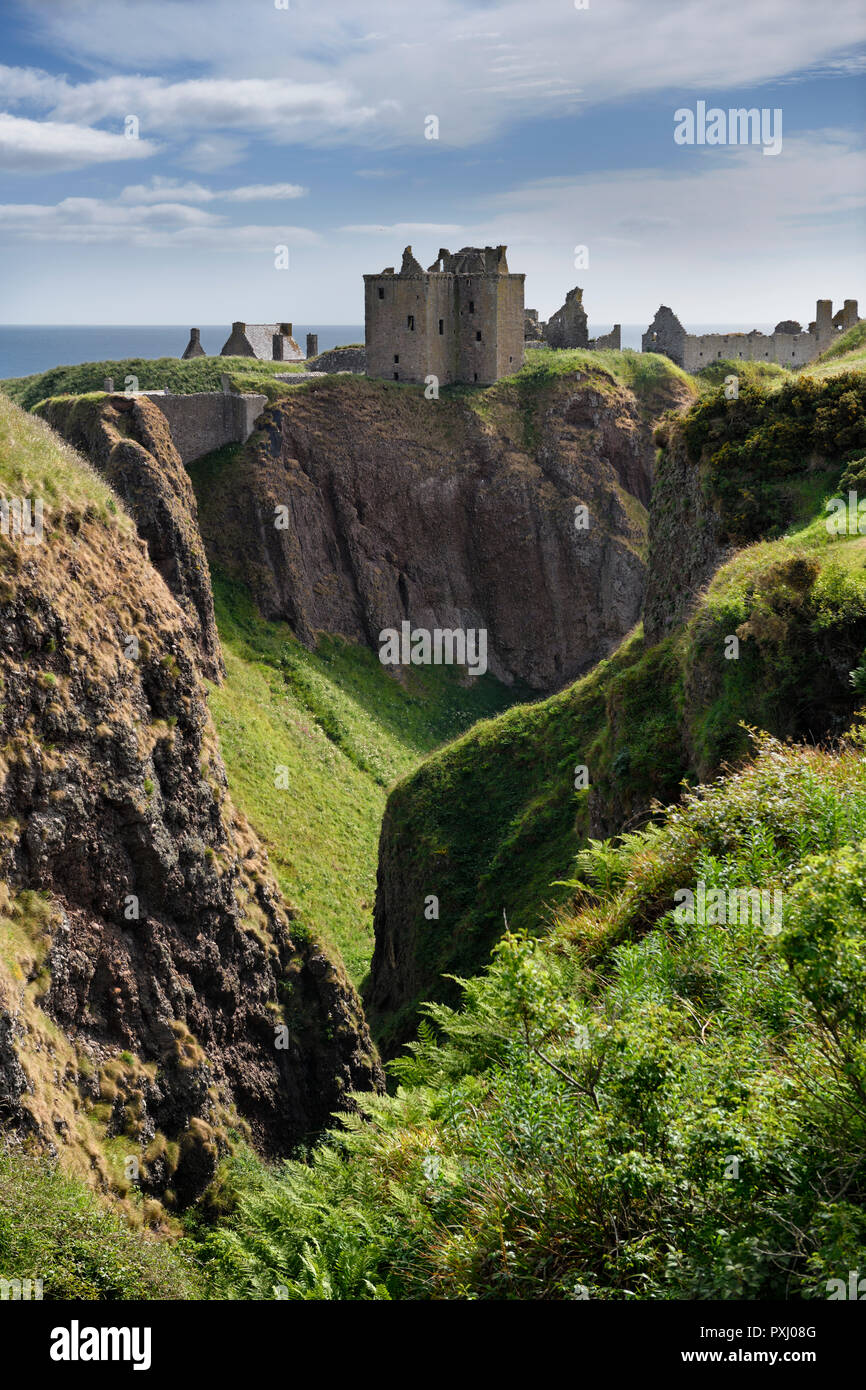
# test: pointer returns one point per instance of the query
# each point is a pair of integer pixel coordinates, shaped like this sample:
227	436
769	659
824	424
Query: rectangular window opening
410	322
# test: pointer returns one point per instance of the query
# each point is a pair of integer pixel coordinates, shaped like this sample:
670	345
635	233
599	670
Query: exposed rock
128	441
158	943
402	508
684	552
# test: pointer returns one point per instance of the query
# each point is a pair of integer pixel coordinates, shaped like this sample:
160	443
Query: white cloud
47	146
160	189
264	192
93	220
212	153
403	228
716	240
313	74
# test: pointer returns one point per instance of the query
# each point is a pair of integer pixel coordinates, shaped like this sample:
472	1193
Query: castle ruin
461	320
268	342
788	344
567	328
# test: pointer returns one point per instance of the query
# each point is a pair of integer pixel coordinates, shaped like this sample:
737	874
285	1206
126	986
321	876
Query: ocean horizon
29	348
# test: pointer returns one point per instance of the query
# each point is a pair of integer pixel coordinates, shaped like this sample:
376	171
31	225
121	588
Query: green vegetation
488	823
54	1228
611	1100
152	374
850	342
340	729
751	448
35	464
634	1106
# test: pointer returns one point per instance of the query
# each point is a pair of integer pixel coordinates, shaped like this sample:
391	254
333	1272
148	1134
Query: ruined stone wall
477	305
613	339
788	349
567	327
666	335
207	420
343	359
509	331
396	319
441	346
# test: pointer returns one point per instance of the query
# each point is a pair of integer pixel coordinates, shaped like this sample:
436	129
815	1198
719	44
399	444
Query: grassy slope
634	1106
182	378
492	821
345	730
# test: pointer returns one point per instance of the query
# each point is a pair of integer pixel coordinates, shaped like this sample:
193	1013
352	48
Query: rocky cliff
128	441
489	826
360	504
155	996
685	544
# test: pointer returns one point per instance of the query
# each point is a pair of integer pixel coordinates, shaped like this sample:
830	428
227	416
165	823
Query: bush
54	1228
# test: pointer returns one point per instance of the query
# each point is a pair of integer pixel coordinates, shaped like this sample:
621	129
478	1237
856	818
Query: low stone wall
343	359
207	420
613	339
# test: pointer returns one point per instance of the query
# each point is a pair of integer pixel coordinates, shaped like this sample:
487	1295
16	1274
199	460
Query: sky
155	154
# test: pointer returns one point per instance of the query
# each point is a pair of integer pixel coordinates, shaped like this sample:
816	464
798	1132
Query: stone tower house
460	321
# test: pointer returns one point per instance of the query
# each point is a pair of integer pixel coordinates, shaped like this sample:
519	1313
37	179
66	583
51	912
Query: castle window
474	376
410	323
478	336
472	306
396	376
396	357
441	325
381	294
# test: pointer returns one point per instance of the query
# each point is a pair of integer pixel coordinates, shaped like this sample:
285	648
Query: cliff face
128	441
453	513
684	548
147	963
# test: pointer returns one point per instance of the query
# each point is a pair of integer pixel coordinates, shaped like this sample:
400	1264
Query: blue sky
260	127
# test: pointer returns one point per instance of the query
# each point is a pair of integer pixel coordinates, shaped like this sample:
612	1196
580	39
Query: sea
25	348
